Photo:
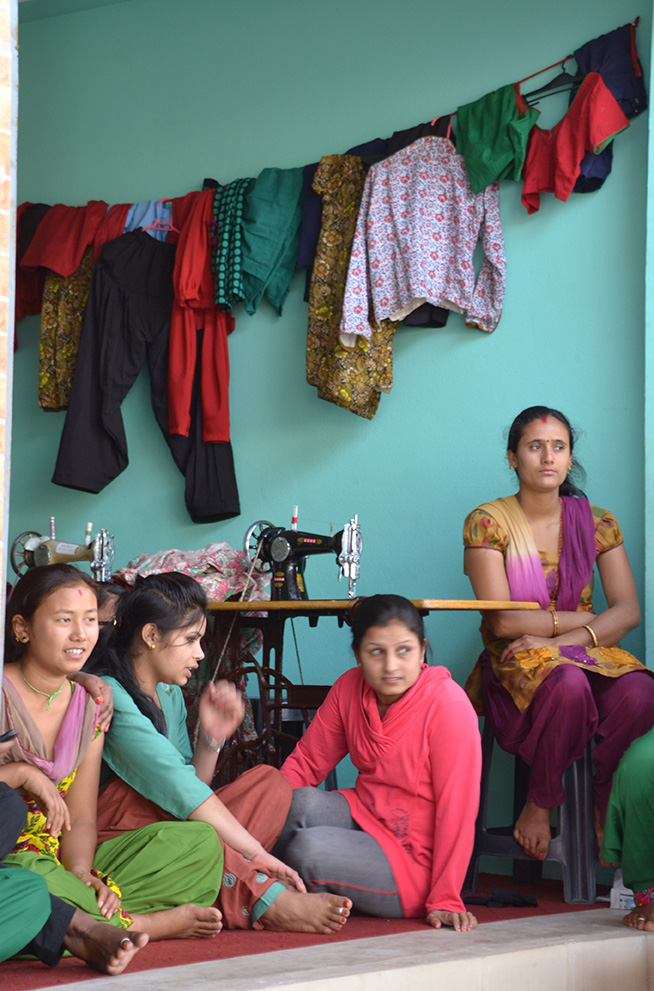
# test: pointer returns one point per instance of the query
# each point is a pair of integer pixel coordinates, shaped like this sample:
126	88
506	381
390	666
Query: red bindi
79	591
544	419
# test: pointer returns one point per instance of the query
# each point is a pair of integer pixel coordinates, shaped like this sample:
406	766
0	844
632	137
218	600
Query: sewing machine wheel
22	556
251	543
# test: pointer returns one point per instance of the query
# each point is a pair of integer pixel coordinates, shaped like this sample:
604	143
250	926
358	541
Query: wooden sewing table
277	692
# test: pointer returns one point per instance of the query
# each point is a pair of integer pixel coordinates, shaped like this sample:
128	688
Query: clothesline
637	68
168	294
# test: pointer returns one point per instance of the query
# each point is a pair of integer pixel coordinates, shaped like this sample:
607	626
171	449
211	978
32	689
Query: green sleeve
154	765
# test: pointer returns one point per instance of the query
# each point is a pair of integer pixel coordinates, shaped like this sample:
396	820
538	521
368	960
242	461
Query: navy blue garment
614	56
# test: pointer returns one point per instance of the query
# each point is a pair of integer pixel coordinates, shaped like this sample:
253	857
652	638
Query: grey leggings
321	840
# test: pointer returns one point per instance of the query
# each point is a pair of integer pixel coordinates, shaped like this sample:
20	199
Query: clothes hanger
560	84
539	73
162	225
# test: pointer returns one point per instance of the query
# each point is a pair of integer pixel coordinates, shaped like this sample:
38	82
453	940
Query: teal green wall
146	98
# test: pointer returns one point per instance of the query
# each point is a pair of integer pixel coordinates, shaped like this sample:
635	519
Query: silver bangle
209	741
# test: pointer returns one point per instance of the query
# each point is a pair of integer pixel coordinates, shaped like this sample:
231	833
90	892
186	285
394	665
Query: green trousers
157	867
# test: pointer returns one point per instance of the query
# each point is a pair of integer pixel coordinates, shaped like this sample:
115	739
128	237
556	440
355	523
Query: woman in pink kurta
399	842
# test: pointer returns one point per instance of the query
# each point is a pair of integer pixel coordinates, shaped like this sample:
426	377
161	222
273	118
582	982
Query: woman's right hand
280	871
526	642
48	799
108	900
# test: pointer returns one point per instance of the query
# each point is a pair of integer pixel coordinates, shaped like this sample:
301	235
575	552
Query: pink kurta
417	791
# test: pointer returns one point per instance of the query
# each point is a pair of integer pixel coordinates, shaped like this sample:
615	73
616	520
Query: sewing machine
30	549
285	553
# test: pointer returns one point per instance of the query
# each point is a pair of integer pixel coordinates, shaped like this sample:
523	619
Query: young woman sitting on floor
149	654
399	842
54	761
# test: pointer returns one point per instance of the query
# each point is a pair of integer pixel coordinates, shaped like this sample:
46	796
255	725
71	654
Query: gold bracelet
555	623
593	635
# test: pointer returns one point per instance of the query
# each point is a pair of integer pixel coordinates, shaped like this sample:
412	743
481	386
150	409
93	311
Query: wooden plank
342	605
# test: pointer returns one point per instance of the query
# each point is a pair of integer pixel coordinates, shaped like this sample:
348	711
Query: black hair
380	610
522	420
172	601
108	589
30	591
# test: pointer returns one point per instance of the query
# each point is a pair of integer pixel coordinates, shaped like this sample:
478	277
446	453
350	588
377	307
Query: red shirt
554	157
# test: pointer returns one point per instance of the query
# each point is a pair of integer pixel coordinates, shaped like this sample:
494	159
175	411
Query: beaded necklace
38	690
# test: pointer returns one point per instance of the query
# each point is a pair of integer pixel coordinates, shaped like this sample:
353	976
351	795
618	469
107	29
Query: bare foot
102	946
183	922
532	830
641	917
296	912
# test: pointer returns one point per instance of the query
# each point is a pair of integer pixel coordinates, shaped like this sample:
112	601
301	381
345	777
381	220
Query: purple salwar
567	710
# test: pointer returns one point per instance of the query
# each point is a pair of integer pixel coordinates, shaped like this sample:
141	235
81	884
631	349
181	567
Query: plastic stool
573	844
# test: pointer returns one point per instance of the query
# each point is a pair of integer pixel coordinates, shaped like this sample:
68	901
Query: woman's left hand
101	692
221	710
525	643
461	921
108	900
281	872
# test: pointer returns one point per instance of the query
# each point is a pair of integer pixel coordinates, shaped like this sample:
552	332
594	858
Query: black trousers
47	945
127	322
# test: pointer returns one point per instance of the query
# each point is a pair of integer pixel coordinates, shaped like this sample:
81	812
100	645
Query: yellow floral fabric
522	675
62	315
34	837
349	377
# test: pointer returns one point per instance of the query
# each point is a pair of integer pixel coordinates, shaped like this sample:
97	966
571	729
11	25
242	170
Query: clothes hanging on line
29	284
226	242
370	153
270	237
193	309
112	225
62	237
311	204
554	156
415	237
126	323
615	57
147	213
62	316
352	378
492	136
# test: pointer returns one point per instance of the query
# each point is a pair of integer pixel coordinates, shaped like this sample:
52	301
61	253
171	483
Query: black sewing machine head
285	553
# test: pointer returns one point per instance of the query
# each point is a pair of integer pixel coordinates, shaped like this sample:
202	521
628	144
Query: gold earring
151	646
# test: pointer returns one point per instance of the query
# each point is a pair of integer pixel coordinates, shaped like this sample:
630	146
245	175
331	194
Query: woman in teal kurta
150	654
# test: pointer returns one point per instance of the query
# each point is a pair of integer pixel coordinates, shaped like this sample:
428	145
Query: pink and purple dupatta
523	565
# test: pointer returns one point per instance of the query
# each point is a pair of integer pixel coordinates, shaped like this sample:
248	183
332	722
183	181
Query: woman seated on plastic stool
550	680
399	842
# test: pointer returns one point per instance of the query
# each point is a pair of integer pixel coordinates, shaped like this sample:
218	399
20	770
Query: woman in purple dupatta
550	680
